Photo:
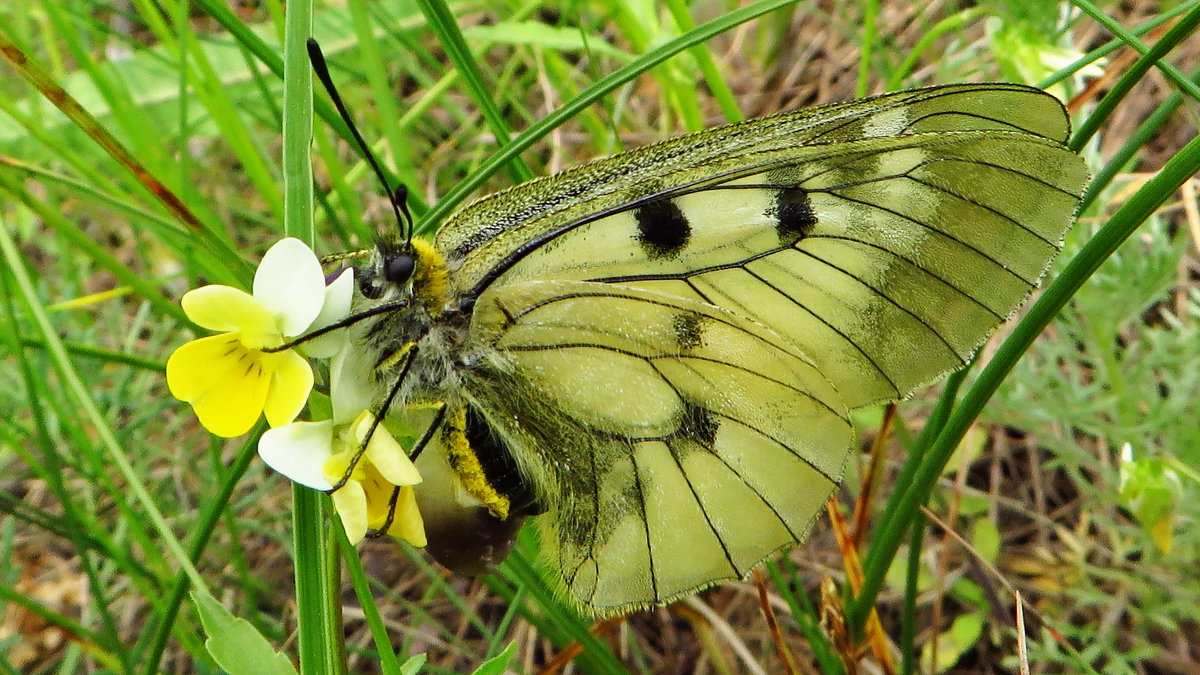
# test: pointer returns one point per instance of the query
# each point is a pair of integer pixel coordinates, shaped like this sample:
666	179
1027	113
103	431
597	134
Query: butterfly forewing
887	259
530	214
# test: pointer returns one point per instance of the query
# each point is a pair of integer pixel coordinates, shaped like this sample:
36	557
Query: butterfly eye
398	268
368	286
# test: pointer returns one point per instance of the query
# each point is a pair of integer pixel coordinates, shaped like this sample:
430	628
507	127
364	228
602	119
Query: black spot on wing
697	425
662	228
689	329
794	215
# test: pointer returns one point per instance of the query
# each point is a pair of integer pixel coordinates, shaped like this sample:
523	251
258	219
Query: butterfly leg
434	426
468	538
451	431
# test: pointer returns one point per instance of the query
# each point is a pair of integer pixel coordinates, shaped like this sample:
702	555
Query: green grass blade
1172	73
591	95
442	23
1181	167
78	390
1152	57
317	572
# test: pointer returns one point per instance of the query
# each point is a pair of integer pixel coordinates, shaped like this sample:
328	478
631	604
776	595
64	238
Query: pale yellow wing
886	237
667	340
486	237
674	444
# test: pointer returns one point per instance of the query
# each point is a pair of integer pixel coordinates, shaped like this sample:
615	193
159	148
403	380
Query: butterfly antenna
399	196
407	223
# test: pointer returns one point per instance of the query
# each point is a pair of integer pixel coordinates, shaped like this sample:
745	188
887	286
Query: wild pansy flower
376	495
232	378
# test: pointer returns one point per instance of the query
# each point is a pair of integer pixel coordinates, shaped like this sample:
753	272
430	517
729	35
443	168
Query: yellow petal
291	383
234	402
195	367
225	308
406	520
379	495
338	465
390	458
1163	532
351	505
407	524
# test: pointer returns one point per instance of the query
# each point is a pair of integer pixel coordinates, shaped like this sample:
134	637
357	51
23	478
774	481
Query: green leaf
536	34
236	645
952	644
986	540
497	664
413	665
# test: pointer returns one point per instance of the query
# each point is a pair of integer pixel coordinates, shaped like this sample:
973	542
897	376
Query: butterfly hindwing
675	444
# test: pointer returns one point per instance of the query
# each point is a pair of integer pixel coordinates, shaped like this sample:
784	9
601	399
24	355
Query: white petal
336	308
350	388
299	451
290	284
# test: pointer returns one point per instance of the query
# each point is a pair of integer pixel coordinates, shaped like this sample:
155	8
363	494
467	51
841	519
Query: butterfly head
388	271
399	269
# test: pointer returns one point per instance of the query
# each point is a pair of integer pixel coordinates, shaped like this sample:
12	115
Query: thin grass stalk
916	454
437	586
388	663
1113	45
375	71
76	525
870	9
211	235
1153	57
716	82
590	95
946	25
636	26
557	622
1172	73
113	90
160	633
268	56
806	616
71	628
1136	141
78	391
319	621
908	611
442	23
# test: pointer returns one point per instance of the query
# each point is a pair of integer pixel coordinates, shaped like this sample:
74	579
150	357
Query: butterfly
657	353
